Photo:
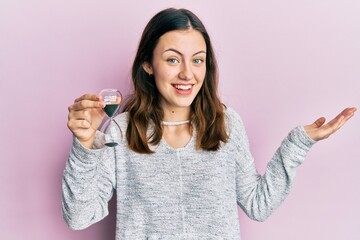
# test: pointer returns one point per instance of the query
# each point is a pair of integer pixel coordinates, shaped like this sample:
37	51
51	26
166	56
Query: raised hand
319	131
85	116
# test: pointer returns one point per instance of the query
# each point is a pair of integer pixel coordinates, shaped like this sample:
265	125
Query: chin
185	103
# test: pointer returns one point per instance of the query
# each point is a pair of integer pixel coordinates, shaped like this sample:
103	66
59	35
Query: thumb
319	122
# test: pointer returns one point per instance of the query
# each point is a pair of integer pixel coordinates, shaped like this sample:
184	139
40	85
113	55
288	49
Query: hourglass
112	98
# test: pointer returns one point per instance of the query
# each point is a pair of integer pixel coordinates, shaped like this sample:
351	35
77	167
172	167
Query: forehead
182	40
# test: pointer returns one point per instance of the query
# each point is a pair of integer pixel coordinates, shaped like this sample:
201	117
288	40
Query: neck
176	114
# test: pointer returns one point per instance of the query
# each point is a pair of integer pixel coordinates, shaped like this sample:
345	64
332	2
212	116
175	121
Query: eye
198	61
172	60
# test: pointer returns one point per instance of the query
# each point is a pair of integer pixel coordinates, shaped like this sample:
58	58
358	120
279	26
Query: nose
186	72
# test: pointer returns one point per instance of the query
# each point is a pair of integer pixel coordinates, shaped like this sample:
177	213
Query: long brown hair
143	106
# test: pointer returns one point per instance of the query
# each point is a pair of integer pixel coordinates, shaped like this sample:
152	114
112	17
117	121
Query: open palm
319	130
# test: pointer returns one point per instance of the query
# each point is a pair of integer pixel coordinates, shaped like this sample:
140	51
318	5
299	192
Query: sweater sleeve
258	195
87	185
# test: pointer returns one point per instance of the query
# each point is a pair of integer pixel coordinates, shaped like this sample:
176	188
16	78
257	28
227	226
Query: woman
183	164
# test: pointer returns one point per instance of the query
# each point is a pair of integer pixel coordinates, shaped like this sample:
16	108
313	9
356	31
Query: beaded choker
174	123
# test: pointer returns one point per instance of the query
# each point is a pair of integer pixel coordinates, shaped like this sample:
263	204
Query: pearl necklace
174	123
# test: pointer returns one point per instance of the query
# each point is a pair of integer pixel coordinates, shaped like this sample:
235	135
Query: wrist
87	143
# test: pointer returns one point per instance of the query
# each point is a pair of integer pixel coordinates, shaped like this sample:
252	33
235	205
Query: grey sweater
180	193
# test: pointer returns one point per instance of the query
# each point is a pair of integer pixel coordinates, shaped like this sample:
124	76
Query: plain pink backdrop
282	64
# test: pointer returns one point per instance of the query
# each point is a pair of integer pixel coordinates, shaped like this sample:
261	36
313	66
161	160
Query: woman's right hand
85	116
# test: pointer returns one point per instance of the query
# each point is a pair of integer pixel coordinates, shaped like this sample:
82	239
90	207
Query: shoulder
234	123
232	117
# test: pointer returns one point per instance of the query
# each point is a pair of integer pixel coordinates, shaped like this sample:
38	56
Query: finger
331	127
320	122
83	104
345	119
349	112
80	115
345	115
336	123
75	125
89	96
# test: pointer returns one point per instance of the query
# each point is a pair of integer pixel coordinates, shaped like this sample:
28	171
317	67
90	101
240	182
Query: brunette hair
143	106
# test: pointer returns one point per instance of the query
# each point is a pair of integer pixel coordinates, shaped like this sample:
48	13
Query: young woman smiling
183	165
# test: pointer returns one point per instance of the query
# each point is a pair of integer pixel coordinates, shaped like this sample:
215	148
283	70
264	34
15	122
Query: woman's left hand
319	131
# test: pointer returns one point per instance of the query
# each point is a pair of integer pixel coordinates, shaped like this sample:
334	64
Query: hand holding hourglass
112	99
88	111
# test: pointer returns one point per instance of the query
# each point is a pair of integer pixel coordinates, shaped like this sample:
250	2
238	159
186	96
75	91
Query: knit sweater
178	193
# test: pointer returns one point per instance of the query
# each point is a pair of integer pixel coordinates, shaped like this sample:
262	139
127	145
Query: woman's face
179	67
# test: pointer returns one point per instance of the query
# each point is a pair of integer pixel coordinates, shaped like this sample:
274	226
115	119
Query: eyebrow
174	50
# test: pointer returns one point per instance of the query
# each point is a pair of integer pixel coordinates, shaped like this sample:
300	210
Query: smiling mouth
182	87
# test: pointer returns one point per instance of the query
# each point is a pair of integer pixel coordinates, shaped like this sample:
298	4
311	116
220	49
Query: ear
148	68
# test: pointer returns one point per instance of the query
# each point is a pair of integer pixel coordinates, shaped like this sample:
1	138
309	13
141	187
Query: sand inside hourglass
112	105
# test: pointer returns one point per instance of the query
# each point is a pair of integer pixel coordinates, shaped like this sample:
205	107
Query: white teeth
182	87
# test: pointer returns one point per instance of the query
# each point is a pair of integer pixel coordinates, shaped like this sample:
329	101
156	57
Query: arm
89	176
259	195
88	183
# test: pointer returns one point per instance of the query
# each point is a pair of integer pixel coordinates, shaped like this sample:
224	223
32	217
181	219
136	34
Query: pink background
282	63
